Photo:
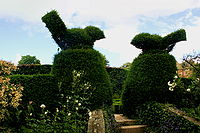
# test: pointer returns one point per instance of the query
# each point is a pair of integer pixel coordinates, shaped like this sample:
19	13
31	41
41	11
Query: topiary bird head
146	41
71	38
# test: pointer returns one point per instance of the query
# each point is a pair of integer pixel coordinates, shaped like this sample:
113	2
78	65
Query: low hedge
161	120
38	89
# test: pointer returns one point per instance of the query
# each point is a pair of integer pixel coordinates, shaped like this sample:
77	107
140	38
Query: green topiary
147	80
69	38
151	70
146	41
83	68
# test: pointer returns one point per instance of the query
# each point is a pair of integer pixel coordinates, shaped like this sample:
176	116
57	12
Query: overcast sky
23	33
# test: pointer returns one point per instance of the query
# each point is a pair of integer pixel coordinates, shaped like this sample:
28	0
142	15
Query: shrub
147	80
162	120
10	94
185	91
89	65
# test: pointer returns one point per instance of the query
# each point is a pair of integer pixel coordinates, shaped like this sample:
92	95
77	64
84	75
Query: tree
27	59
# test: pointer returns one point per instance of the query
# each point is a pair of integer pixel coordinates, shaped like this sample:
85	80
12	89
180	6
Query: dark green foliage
146	41
28	60
161	120
117	78
184	98
110	122
147	80
90	65
40	89
32	69
69	38
57	28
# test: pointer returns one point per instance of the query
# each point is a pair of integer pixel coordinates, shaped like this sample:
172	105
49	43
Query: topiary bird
70	38
146	41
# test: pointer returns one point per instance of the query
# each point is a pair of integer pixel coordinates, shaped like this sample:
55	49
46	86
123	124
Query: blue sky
23	33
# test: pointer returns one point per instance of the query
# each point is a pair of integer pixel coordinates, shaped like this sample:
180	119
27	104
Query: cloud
17	59
120	19
109	10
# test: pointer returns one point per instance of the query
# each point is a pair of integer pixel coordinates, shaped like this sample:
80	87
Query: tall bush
151	70
89	65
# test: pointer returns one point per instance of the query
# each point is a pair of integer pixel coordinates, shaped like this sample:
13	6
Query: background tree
27	59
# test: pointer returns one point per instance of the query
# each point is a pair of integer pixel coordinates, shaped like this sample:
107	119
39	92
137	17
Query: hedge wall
117	78
40	89
161	120
32	69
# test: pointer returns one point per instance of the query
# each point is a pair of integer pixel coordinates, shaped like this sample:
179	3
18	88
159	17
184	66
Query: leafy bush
186	91
147	80
31	69
161	120
38	89
89	65
10	94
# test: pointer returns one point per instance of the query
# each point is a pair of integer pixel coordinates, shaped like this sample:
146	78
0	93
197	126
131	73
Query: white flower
67	100
76	108
90	113
188	89
69	97
76	101
79	104
169	84
171	89
45	112
175	77
42	106
31	114
57	110
69	114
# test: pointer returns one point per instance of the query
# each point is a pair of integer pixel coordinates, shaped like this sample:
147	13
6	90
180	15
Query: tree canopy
27	59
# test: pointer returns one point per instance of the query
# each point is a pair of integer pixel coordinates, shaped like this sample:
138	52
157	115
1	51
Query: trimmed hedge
147	80
161	120
89	65
40	89
117	78
117	75
32	69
